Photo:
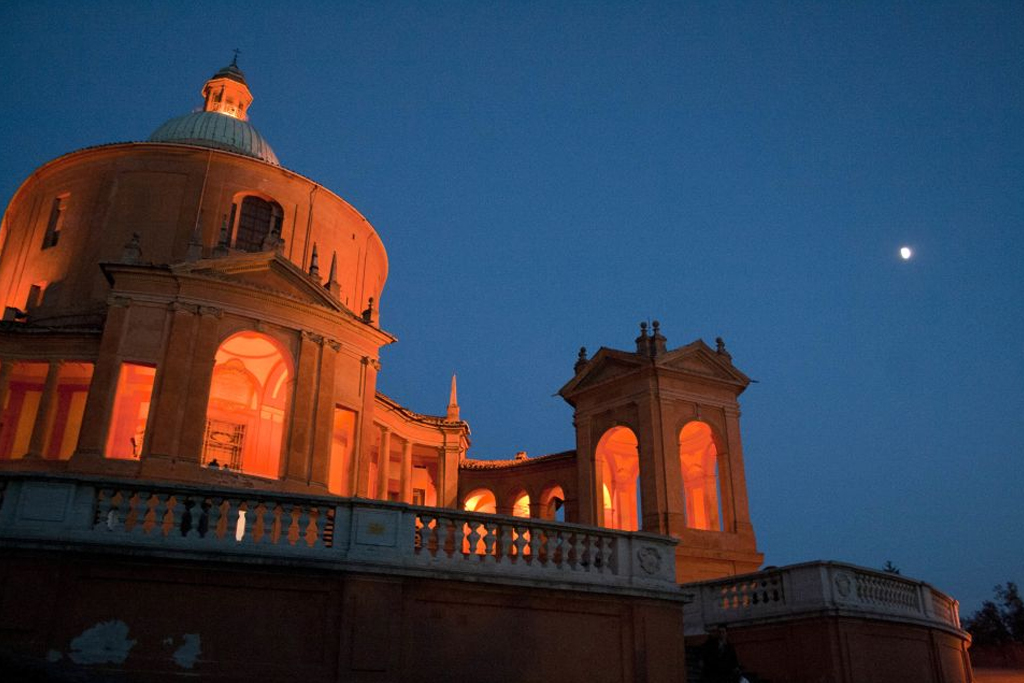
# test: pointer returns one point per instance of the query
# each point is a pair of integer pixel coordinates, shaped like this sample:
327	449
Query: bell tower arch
681	409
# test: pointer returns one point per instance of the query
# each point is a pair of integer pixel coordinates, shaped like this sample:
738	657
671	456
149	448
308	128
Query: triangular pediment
266	271
606	365
698	358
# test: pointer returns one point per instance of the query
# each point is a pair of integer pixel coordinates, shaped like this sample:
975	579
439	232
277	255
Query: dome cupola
224	121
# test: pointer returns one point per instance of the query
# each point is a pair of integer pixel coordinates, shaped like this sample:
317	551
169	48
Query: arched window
521	505
480	500
618	462
249	396
698	460
552	504
256	220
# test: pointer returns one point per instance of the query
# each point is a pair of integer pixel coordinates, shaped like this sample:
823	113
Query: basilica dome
224	122
216	130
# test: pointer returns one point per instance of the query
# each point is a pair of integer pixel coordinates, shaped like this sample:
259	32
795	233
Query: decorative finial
658	340
195	245
453	403
234	61
333	286
222	242
643	345
132	252
581	360
368	313
314	264
273	241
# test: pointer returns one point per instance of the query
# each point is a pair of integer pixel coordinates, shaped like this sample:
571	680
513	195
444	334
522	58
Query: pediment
699	359
606	365
266	271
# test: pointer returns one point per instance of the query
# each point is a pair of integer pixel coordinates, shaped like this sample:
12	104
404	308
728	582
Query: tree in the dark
1000	621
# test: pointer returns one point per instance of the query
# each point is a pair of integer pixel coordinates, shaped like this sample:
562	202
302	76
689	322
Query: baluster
490	538
473	542
536	544
519	544
189	520
314	534
301	521
504	550
444	544
579	552
161	525
135	518
425	534
253	517
213	519
458	539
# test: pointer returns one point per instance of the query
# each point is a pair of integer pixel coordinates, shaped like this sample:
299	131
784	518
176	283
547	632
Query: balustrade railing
61	509
812	588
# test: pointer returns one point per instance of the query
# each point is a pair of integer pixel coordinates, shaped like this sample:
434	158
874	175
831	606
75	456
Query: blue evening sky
546	175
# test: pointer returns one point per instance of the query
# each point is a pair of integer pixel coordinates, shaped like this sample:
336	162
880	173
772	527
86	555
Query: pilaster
323	424
44	417
383	463
100	401
297	467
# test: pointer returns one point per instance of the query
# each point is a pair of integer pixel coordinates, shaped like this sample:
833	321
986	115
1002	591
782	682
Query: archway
521	504
552	503
698	461
618	463
481	500
249	396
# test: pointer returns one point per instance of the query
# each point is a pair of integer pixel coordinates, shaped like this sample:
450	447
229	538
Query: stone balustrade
816	588
350	533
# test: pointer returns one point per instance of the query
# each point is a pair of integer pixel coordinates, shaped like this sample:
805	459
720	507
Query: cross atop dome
227	92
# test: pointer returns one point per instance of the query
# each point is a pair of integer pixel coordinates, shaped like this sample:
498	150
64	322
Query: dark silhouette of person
719	658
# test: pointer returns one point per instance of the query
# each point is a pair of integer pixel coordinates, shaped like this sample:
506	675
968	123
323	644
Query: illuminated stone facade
188	361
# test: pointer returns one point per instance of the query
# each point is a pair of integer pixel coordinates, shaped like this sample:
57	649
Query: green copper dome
216	130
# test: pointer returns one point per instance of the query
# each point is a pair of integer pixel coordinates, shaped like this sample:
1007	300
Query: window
342	441
619	463
698	460
56	222
24	393
131	411
249	395
257	219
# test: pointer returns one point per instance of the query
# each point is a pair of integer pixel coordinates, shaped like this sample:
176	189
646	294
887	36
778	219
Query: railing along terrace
348	532
816	587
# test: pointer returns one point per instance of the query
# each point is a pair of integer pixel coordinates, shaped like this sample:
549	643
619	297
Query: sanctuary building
199	476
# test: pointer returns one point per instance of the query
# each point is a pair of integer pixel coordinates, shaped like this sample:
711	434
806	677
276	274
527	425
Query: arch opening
249	396
618	465
552	504
480	500
698	461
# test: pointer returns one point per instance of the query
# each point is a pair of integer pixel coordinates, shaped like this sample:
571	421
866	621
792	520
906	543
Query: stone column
171	391
92	437
407	471
735	509
44	416
303	400
323	424
204	354
587	507
383	463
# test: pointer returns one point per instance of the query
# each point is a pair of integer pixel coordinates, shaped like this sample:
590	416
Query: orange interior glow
481	500
249	396
131	411
619	463
24	392
342	440
72	389
698	459
521	506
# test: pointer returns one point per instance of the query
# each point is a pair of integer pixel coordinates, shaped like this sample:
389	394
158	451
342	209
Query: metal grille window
223	442
256	220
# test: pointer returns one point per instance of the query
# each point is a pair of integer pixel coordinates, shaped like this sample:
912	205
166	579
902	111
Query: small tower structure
658	449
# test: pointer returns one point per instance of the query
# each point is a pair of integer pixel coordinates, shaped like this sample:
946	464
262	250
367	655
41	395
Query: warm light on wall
619	465
249	394
698	460
131	411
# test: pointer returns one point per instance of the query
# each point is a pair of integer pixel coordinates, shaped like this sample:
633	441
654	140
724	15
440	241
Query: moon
906	253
